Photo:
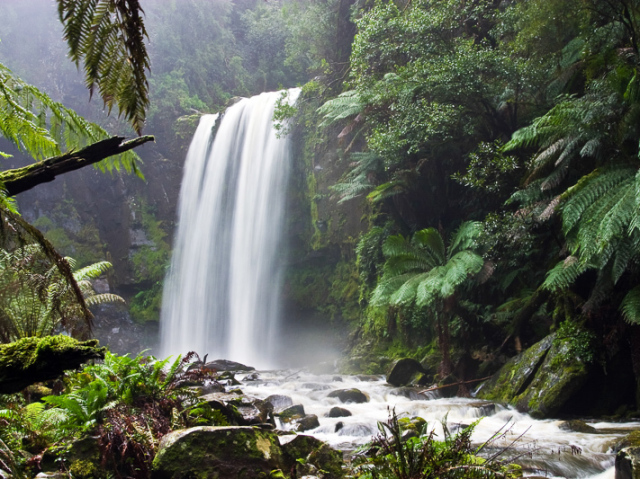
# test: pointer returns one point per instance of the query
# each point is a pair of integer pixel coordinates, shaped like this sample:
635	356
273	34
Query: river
544	448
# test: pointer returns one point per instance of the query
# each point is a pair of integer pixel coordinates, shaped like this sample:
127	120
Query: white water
220	296
547	449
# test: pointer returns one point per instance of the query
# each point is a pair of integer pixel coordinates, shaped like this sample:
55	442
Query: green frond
345	105
630	306
107	37
92	271
41	127
430	240
387	190
564	274
465	237
96	299
356	182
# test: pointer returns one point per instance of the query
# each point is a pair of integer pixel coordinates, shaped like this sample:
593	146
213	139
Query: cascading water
221	294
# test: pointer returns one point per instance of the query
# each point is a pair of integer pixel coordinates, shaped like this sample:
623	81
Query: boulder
229	452
226	365
291	413
349	395
279	402
310	421
315	452
576	425
409	393
404	371
338	412
628	463
541	380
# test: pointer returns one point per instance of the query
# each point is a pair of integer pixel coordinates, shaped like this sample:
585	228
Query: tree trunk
22	179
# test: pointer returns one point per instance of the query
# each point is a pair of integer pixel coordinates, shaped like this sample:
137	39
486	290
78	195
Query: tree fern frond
343	106
96	299
92	271
465	237
564	274
630	306
107	36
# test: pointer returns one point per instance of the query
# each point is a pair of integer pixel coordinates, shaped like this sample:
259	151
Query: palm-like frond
420	270
107	36
92	271
630	306
42	128
357	181
345	105
97	299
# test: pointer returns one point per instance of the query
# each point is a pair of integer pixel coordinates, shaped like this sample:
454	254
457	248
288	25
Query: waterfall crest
221	293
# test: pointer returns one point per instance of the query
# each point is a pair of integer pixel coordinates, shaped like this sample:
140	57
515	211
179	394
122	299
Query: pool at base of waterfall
542	447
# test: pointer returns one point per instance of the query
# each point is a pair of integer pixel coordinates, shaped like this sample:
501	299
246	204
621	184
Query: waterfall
221	293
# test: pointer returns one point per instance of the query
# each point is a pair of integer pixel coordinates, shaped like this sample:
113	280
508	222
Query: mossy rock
628	463
327	460
349	395
630	440
560	375
307	423
338	412
292	412
31	360
218	452
513	378
404	371
576	425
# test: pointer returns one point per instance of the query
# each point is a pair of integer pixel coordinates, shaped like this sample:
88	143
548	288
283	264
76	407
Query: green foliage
425	457
107	36
422	271
42	128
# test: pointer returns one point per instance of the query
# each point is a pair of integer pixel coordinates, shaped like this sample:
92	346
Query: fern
345	105
630	306
42	128
107	37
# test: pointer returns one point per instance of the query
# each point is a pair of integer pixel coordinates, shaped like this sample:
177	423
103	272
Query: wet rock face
404	371
349	395
339	412
628	463
541	380
229	452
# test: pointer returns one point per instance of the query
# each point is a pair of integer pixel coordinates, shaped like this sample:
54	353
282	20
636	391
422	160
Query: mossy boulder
628	463
338	412
292	412
576	425
561	374
513	378
307	423
541	380
404	371
218	452
31	360
309	450
349	395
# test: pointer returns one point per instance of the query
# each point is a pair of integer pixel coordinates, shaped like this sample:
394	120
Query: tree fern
359	179
630	306
107	37
41	127
345	105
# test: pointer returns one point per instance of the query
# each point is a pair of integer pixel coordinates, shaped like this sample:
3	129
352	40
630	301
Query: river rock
628	463
279	402
404	371
349	395
409	393
338	412
310	421
226	365
291	413
314	451
541	380
576	425
229	452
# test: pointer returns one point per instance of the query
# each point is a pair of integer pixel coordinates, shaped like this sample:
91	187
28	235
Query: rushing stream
546	449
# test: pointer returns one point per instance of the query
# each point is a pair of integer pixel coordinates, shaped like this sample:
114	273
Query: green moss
150	263
86	470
